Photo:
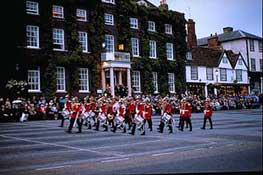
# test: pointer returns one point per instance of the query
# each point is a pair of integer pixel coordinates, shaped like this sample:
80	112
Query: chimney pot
228	29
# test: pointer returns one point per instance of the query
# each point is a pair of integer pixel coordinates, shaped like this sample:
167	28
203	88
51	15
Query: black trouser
180	122
79	122
150	123
62	121
188	120
210	121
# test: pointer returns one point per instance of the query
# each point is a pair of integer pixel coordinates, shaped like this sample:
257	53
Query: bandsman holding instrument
75	116
185	114
208	111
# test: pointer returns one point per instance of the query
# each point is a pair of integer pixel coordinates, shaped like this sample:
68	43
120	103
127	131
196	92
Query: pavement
41	147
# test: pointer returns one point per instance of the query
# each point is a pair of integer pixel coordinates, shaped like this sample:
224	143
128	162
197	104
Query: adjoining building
249	46
86	47
212	70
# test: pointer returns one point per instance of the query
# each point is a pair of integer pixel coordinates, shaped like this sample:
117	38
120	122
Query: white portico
116	70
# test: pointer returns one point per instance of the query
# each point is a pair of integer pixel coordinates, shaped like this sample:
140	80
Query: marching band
127	114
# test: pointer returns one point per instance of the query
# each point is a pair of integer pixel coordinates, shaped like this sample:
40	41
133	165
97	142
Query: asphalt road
41	147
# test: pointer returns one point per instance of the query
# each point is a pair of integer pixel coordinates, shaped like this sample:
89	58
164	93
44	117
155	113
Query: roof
238	34
149	4
203	56
232	57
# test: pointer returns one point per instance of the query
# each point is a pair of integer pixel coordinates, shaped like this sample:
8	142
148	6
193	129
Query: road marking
114	160
59	145
54	167
162	154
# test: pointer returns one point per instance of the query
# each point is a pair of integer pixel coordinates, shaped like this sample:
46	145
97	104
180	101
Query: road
41	147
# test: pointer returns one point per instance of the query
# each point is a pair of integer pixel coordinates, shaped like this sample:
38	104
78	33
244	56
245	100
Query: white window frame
194	73
32	36
58	11
155	82
83	40
108	1
81	15
61	79
32	8
134	23
84	80
33	79
223	74
135	47
209	73
171	84
151	26
170	51
108	19
168	29
152	50
239	75
136	81
109	43
58	39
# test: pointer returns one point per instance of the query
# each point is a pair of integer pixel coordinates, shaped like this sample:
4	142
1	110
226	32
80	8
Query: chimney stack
213	41
163	5
191	36
228	29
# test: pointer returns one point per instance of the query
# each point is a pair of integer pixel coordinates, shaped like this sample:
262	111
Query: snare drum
65	113
102	117
138	119
166	117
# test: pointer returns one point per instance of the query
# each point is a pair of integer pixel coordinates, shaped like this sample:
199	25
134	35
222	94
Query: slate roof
203	56
238	34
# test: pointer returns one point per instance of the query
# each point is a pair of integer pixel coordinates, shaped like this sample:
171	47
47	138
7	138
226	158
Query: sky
211	16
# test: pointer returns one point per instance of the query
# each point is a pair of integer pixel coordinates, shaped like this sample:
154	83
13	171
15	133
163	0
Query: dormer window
240	62
225	61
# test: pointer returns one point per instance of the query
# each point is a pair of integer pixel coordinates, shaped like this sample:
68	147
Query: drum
110	116
85	115
65	113
102	117
138	119
119	119
166	117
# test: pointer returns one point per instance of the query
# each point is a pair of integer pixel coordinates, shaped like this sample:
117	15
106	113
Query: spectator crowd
42	108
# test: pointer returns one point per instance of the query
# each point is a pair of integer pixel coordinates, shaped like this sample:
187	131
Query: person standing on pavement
208	111
185	114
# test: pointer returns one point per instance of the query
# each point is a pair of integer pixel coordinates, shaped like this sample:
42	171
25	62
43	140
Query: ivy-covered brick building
82	46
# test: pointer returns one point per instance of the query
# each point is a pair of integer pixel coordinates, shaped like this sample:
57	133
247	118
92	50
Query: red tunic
168	108
104	109
131	108
121	111
76	109
140	108
185	110
87	107
68	105
208	111
93	106
148	112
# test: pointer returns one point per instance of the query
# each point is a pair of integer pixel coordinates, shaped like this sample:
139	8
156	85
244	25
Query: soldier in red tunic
185	114
101	118
130	112
208	111
67	108
120	117
75	115
167	116
148	115
139	110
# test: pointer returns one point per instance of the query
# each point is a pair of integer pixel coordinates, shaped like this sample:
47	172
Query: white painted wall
240	46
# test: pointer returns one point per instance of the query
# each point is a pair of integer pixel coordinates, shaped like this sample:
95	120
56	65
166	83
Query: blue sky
211	16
